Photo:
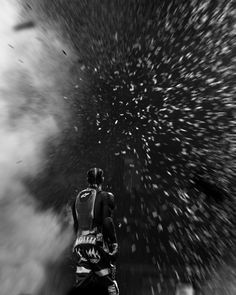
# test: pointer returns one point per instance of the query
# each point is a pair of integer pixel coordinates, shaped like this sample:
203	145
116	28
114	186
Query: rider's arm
74	217
109	231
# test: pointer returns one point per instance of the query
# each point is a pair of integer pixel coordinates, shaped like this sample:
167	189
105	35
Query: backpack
84	207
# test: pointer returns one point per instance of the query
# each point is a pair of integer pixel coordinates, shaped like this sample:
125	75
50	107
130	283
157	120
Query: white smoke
32	70
223	279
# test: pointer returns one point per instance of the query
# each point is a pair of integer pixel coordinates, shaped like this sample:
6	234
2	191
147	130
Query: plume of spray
32	67
222	281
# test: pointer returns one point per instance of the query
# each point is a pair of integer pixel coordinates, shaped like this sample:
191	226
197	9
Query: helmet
95	176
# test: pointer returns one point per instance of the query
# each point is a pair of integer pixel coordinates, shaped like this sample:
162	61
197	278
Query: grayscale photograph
118	147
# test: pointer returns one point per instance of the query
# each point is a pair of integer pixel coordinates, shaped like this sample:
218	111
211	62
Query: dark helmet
95	176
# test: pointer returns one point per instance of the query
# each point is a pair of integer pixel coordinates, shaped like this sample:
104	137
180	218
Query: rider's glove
113	251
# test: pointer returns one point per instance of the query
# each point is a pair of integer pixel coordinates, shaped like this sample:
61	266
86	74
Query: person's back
96	243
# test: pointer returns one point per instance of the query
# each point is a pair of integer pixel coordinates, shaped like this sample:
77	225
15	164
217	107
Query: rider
96	244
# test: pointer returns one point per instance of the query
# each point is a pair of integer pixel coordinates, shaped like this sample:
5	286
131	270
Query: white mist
32	68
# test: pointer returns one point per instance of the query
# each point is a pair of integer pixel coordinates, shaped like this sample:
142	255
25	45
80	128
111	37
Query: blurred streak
24	26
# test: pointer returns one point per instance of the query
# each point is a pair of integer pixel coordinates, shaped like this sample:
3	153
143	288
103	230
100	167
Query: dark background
153	104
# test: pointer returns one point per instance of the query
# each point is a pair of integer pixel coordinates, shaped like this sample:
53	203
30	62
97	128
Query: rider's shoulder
108	196
83	191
